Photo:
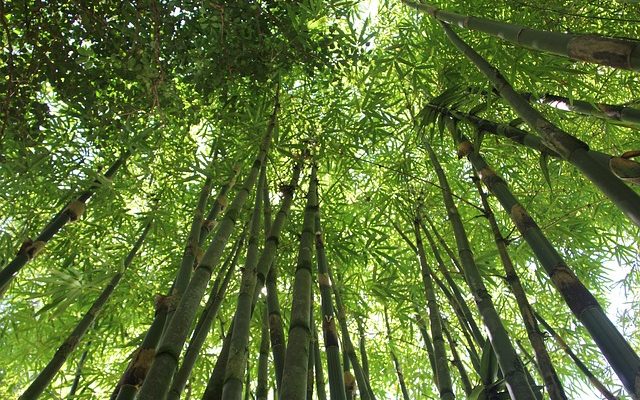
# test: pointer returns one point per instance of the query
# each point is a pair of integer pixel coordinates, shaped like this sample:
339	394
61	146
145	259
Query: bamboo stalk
592	48
464	377
349	352
611	112
570	148
621	166
78	376
294	374
213	391
165	362
515	377
137	369
262	389
320	389
276	331
582	366
237	362
457	300
394	359
72	212
192	251
582	303
203	326
266	261
428	344
47	374
363	348
311	360
445	387
329	331
548	372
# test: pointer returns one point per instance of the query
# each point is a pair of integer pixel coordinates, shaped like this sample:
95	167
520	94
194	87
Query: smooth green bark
445	387
515	378
156	384
72	212
570	148
329	330
203	327
47	374
613	52
294	374
545	366
582	303
237	361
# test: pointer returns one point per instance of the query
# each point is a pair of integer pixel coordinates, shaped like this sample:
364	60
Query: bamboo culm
613	52
165	362
515	378
262	388
329	330
582	366
203	326
394	359
621	166
441	362
45	376
72	212
349	352
294	374
137	369
319	374
548	372
464	377
570	148
237	361
266	261
583	304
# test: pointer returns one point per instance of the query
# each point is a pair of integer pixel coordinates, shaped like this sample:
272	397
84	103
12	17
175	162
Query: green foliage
188	87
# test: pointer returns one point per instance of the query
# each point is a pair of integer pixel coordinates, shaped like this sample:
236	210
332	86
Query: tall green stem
514	375
329	331
349	351
613	52
394	358
570	148
45	376
582	303
237	362
165	362
72	212
464	377
262	389
294	374
203	326
548	372
582	366
441	362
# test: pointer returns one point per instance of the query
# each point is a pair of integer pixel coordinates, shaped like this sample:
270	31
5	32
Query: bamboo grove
319	200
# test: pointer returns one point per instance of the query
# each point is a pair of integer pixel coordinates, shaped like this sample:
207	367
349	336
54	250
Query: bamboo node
31	248
75	209
209	224
616	53
286	190
521	218
464	149
625	169
324	280
222	200
349	382
164	303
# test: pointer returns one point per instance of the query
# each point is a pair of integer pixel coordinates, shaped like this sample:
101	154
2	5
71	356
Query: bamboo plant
582	303
613	52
